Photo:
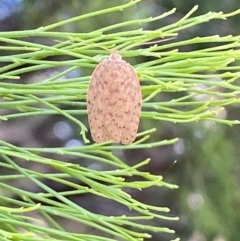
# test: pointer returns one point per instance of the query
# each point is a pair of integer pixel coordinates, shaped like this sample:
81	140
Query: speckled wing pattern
114	101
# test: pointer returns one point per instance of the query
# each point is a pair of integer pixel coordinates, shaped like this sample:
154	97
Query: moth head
115	55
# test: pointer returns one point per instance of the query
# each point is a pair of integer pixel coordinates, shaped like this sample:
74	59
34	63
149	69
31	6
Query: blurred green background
207	167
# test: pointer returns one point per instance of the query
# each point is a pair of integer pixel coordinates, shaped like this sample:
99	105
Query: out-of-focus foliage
207	168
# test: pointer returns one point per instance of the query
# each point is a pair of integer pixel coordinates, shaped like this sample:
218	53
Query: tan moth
114	101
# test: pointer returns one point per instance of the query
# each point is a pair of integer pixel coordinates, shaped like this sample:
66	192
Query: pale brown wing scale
114	101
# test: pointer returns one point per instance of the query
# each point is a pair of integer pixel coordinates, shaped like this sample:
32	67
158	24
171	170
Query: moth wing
114	102
124	106
95	104
133	108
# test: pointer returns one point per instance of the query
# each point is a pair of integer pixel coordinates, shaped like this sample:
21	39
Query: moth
114	101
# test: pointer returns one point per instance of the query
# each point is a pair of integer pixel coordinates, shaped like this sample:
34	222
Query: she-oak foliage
166	70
